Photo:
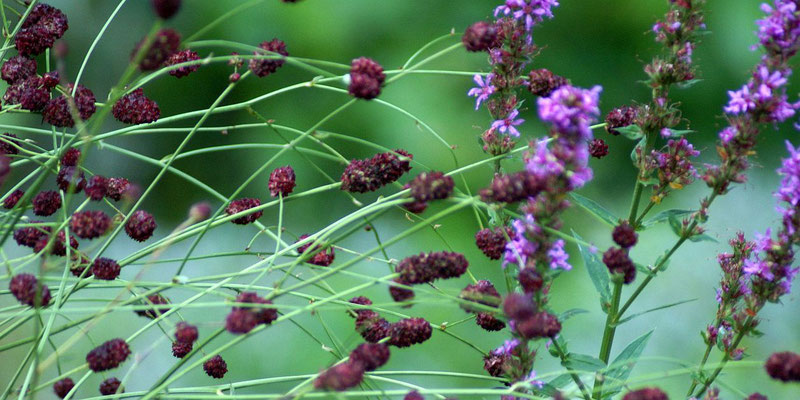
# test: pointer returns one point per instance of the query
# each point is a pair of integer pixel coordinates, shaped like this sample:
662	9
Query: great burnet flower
17	68
264	67
409	331
244	204
185	333
426	267
180	349
58	246
322	256
492	242
620	117
483	292
340	377
182	57
46	203
89	224
651	393
366	79
105	269
57	110
281	181
30	93
243	319
116	188
164	44
371	356
542	82
479	36
215	367
96	187
154	311
428	186
108	355
784	366
40	29
370	174
62	387
598	148
624	235
166	8
25	289
140	225
135	108
618	262
12	199
110	386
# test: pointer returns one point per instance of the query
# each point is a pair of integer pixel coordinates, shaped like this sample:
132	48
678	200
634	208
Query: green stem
563	356
608	336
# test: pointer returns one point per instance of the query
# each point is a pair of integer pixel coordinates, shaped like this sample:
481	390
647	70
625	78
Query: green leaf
632	132
623	365
677	303
638	146
688	84
571	313
703	238
583	363
675	224
664	266
664	216
598	272
680	132
595	209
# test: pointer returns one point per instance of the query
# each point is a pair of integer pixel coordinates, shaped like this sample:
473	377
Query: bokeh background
590	42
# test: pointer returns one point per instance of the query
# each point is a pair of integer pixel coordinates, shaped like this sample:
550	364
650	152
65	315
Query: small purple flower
571	110
520	248
727	134
741	101
507	348
558	257
483	91
508	124
543	163
531	378
533	11
666	133
756	266
508	7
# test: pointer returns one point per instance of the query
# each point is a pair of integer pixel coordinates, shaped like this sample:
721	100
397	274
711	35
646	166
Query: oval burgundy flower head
757	396
340	377
62	387
512	188
620	117
598	148
46	203
24	287
180	350
166	8
426	267
492	242
413	395
240	321
17	68
51	79
105	269
489	322
481	292
400	294
368	175
480	36
542	82
263	315
264	67
618	262
29	93
366	79
153	301
96	188
28	236
434	185
135	108
530	280
540	325
48	17
33	41
215	367
409	331
185	333
200	211
110	386
9	143
323	257
140	226
518	306
57	111
244	204
108	355
646	394
12	199
182	57
89	224
416	207
371	356
164	45
624	235
116	188
71	157
784	366
78	265
70	179
281	181
371	326
58	248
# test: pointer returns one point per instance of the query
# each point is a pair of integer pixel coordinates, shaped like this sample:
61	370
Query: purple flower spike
508	124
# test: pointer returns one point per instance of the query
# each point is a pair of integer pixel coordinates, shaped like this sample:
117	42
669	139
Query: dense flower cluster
274	52
281	181
322	256
140	225
240	205
215	367
110	386
44	25
182	56
428	186
26	289
366	79
165	43
243	319
108	355
135	108
371	174
153	311
89	224
427	267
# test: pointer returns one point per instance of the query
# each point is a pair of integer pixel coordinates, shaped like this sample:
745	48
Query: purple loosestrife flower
558	257
519	249
508	124
483	91
533	11
508	7
571	110
789	191
779	31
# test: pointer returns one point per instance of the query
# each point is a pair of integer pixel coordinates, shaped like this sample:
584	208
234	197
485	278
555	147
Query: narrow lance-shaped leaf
598	272
664	216
621	368
595	209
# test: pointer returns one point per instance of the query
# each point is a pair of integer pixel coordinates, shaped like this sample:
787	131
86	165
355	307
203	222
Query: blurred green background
590	42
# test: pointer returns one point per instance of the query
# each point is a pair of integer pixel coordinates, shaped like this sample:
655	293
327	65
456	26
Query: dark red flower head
166	8
756	396
185	333
182	57
24	288
135	108
518	306
153	311
530	280
164	45
340	377
646	394
110	386
70	179
264	67
105	269
624	235
322	257
618	262
17	68
12	199
40	29
89	224
426	267
240	321
620	117
57	110
400	294
489	322
58	247
542	82
409	331
71	157
492	242
244	204
9	143
51	79
96	188
482	292
116	188
434	185
62	387
28	236
29	93
108	355
140	226
243	319
215	367
784	366
46	203
413	395
598	148
371	356
366	79
281	181
180	350
512	188
480	36
371	174
540	325
371	326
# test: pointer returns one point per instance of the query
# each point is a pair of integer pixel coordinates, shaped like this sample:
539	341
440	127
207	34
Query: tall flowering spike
434	185
108	355
409	331
366	79
340	377
182	57
241	205
571	110
368	175
215	367
17	68
646	394
426	267
165	43
134	108
57	110
24	287
89	224
274	48
789	192
281	181
140	226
